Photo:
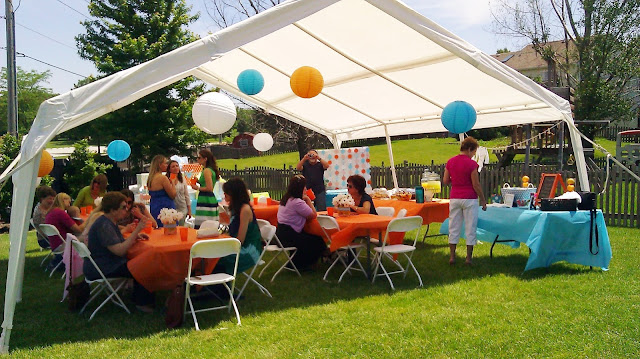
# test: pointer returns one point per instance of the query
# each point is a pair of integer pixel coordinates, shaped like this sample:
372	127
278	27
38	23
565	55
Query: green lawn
492	309
421	151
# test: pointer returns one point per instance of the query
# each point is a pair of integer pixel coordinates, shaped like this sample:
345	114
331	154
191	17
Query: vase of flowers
342	204
169	218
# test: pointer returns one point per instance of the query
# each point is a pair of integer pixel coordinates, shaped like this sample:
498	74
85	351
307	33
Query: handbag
77	293
587	200
175	307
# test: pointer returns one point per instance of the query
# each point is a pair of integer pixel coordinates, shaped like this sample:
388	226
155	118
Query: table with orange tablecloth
267	212
161	262
352	226
430	212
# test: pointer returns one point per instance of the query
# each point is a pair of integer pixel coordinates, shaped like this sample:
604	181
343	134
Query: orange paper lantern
306	82
46	164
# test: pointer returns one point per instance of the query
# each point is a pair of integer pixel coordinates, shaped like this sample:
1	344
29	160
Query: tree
9	148
82	167
227	12
123	34
31	93
607	48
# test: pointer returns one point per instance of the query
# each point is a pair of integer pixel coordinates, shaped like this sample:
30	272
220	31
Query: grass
490	310
421	151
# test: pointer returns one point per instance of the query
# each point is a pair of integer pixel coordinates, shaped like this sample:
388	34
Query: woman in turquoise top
207	207
243	226
87	195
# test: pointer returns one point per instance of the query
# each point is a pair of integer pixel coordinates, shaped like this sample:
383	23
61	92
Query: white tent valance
387	70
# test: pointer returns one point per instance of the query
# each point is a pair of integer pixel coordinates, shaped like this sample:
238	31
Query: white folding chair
102	284
398	225
329	223
212	248
249	276
268	232
401	213
49	230
386	211
41	234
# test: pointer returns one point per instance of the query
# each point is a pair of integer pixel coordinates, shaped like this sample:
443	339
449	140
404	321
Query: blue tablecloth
551	236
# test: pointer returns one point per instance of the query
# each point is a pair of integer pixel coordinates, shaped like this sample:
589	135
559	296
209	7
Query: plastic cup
193	181
173	176
184	234
330	211
310	194
255	200
83	211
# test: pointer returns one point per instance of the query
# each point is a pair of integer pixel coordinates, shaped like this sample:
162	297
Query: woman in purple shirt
466	195
294	211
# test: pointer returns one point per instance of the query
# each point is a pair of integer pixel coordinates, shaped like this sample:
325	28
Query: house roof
527	58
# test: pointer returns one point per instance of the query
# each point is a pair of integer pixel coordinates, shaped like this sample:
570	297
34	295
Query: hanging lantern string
515	145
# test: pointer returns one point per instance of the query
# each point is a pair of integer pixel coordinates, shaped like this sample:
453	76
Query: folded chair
212	248
329	223
49	230
398	225
274	245
102	284
386	211
265	236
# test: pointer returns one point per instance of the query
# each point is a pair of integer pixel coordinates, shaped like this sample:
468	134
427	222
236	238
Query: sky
45	31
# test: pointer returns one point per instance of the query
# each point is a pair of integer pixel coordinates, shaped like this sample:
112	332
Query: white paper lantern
214	113
263	142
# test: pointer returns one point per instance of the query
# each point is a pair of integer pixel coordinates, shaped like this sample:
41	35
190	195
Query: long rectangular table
550	236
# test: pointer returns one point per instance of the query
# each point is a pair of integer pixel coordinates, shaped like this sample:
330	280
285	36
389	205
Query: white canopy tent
387	70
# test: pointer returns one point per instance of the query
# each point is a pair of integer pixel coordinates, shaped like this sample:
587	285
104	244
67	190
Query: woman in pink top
294	211
59	218
466	196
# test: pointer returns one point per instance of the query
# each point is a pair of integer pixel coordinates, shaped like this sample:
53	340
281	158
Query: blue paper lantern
250	82
458	117
118	150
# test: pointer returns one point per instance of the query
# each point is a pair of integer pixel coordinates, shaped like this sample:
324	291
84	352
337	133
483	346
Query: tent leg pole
578	152
393	166
24	184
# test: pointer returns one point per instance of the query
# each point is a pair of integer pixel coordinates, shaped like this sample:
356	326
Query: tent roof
384	65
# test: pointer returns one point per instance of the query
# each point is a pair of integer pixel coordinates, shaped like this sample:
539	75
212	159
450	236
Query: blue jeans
321	201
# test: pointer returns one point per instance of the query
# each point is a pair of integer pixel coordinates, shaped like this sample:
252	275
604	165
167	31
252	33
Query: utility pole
12	96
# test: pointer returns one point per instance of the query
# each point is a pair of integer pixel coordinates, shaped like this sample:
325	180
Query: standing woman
207	207
243	226
87	195
364	204
294	211
161	190
466	195
182	200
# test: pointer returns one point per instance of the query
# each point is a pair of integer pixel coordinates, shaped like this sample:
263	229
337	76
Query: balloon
46	164
306	82
214	113
118	150
458	117
263	142
250	82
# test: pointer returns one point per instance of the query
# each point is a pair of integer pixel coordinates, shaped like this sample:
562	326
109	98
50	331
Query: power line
20	54
73	9
50	38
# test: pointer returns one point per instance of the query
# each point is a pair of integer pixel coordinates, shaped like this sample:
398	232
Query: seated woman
243	225
294	211
59	218
135	210
109	248
87	195
45	195
364	202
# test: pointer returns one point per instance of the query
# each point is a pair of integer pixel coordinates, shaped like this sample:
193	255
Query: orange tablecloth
268	212
429	211
350	228
161	263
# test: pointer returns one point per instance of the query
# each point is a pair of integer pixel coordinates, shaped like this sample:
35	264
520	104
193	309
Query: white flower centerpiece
342	203
169	218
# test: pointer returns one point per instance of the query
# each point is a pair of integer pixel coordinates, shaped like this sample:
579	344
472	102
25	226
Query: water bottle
419	194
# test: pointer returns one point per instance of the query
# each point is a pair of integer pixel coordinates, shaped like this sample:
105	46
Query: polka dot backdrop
344	163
